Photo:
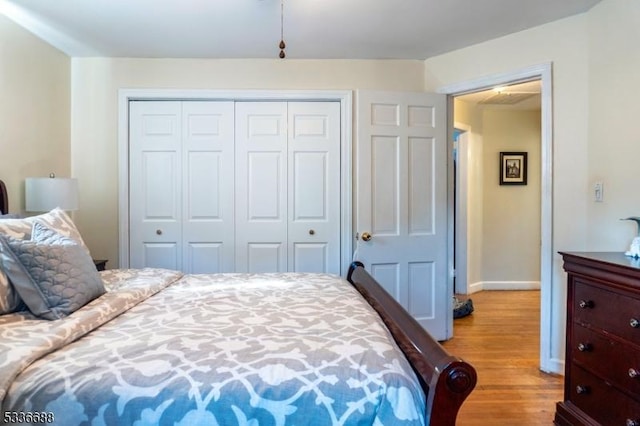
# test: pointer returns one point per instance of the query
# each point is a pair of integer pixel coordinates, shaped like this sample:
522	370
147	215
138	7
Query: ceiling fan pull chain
282	45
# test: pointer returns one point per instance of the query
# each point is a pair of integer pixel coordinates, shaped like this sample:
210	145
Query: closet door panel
203	258
311	257
264	187
155	168
314	186
203	190
261	185
266	257
160	255
310	192
207	187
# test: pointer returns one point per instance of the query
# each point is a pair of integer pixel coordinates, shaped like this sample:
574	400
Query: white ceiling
520	96
313	29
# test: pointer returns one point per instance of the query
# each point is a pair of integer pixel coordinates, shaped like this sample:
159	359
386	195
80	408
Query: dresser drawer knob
631	422
633	322
582	390
586	304
633	373
584	347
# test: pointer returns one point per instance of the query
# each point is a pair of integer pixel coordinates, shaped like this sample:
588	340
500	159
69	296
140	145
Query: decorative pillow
9	298
57	220
53	274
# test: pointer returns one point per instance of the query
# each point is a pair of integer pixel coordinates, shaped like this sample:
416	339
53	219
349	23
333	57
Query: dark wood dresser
602	370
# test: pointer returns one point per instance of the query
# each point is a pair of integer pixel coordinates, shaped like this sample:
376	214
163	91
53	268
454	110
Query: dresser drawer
616	313
601	401
595	352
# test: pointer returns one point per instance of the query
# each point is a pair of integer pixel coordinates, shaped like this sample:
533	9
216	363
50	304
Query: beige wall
613	142
511	219
34	110
96	82
503	222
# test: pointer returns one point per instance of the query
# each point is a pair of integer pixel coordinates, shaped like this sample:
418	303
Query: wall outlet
597	192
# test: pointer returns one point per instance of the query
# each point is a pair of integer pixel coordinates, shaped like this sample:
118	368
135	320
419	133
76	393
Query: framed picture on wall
513	168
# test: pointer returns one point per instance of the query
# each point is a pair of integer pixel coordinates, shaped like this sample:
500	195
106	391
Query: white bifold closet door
288	186
181	186
225	186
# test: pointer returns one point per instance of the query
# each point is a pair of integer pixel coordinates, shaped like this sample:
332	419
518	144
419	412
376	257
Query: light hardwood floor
501	340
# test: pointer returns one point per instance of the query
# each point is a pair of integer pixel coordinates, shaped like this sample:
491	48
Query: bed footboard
445	379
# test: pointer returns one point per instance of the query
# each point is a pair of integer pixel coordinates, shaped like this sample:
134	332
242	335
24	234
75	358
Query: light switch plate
597	192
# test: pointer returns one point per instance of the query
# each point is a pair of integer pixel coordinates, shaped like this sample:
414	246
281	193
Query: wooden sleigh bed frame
445	379
4	199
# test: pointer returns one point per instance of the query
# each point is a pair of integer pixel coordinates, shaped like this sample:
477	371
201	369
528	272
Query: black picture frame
513	168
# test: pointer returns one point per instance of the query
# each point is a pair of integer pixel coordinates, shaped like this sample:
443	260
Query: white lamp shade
45	194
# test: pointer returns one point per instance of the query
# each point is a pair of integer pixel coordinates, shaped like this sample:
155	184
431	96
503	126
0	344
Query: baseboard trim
552	366
503	285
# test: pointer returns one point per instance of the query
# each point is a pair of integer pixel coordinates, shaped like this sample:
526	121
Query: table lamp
45	194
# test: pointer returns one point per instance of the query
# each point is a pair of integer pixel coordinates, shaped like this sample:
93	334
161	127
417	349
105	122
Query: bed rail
445	379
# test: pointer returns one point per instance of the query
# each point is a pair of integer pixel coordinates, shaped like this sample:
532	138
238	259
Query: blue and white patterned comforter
225	349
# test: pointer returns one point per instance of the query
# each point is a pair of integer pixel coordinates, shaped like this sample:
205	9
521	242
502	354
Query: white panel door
261	186
314	187
155	170
401	201
207	187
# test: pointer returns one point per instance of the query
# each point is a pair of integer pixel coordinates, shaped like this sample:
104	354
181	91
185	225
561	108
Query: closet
234	186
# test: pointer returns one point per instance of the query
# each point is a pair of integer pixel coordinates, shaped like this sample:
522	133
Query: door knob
366	236
312	232
159	231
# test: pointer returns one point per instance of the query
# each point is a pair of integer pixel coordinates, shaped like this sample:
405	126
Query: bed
155	346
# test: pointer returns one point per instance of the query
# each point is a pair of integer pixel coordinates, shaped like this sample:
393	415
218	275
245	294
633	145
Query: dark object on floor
462	308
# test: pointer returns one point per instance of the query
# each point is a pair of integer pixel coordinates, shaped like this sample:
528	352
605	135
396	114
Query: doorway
497	223
542	72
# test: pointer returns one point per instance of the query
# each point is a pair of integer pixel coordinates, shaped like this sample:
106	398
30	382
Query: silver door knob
366	236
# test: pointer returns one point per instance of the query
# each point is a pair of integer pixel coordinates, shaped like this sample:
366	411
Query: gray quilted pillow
53	274
20	228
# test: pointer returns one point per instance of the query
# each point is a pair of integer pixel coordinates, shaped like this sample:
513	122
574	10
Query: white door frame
460	220
543	72
344	97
